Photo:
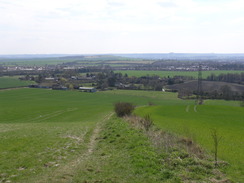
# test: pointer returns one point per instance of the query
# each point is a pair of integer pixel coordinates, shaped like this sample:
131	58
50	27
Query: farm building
88	89
50	79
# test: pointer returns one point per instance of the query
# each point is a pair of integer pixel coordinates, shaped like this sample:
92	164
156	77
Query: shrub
151	103
123	109
147	122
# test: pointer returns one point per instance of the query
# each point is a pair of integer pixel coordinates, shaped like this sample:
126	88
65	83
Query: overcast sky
121	26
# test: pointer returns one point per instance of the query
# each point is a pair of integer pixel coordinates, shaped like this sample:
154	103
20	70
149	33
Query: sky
121	26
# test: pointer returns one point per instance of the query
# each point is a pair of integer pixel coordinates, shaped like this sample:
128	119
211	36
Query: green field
71	136
12	82
86	60
34	61
41	130
194	74
226	117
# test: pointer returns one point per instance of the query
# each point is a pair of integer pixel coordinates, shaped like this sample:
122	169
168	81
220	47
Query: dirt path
195	108
66	173
187	108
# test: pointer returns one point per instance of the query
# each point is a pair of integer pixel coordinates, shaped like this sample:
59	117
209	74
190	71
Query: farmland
31	60
59	136
194	74
197	124
11	82
41	130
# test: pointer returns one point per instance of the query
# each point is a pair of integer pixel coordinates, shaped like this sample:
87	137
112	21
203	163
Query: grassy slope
47	136
44	129
120	153
11	82
154	97
133	159
41	129
174	73
228	120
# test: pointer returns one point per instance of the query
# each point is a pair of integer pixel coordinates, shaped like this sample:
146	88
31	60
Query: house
88	89
50	79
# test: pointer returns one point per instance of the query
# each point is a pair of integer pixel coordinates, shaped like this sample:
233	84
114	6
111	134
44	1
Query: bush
147	122
123	108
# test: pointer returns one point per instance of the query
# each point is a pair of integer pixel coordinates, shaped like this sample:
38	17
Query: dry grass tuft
162	140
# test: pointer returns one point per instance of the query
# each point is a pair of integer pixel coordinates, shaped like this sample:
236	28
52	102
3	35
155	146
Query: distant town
107	72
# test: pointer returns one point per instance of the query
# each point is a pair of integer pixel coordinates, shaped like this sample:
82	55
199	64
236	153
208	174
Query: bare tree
216	140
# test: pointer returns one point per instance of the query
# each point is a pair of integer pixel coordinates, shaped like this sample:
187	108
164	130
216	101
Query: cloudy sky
121	26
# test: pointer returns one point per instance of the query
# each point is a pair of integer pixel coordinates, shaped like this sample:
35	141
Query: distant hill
207	86
187	56
153	56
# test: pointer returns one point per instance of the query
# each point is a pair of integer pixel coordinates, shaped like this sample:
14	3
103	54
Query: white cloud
145	25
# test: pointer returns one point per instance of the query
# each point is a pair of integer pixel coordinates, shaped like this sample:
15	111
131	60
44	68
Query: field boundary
12	88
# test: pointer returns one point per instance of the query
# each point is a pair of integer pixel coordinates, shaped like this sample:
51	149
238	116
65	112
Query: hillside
70	136
207	86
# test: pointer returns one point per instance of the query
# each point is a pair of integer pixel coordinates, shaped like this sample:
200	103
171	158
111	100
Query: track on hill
66	172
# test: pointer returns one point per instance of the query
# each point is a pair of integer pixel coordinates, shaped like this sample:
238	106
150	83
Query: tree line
229	77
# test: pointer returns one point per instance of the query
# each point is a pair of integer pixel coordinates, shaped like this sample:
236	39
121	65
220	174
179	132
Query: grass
29	149
64	136
11	82
174	73
226	119
154	97
41	130
119	158
222	103
125	154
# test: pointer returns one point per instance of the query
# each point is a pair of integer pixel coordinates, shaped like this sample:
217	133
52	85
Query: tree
111	81
216	140
40	78
226	91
